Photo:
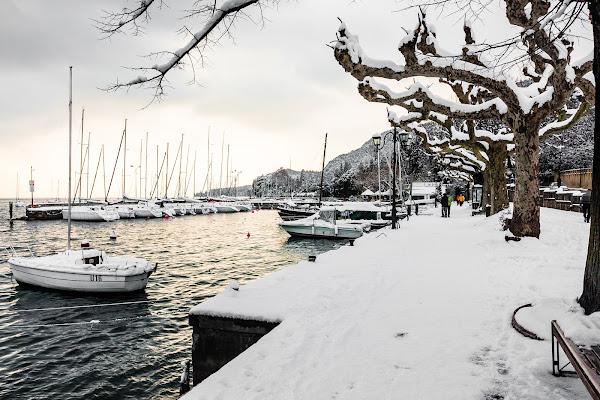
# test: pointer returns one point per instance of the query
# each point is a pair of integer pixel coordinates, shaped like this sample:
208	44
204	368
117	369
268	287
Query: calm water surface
132	350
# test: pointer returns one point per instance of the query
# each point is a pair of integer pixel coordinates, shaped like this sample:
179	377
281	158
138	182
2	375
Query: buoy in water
248	235
85	243
113	236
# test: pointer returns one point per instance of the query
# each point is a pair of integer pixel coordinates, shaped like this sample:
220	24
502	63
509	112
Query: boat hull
309	231
79	282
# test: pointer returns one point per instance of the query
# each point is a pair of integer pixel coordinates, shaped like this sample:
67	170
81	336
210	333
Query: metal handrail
14	251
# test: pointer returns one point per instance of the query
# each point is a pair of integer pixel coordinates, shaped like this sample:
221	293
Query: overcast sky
273	92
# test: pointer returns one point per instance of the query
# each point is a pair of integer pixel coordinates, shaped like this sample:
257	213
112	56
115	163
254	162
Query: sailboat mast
323	170
227	167
104	170
208	164
140	165
146	171
180	159
124	156
30	189
194	191
167	171
221	173
186	179
81	154
70	125
87	184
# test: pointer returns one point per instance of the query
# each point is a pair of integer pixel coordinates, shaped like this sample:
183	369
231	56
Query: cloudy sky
273	91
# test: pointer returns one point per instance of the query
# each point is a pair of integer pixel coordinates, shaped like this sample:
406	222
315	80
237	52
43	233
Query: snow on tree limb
219	17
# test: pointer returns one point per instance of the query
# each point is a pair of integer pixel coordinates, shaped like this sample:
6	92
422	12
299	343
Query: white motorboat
85	270
125	211
189	208
168	211
224	207
91	213
290	211
244	207
147	209
340	221
19	203
317	226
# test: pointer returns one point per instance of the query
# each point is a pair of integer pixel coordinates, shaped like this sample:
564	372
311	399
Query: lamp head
403	136
377	139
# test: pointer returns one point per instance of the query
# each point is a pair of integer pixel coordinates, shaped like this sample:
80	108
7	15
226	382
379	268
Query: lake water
129	350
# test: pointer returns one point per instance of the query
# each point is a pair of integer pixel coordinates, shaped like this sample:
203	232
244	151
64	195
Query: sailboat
85	269
18	203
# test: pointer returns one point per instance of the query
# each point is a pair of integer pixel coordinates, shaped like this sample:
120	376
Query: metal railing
18	251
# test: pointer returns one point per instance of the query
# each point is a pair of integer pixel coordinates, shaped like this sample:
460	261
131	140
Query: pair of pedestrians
446	202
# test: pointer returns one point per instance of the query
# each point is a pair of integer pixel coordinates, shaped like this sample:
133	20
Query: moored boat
91	213
85	270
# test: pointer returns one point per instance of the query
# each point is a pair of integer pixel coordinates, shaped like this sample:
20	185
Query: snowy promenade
419	313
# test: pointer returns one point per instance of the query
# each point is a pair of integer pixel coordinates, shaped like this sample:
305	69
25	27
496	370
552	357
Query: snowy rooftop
419	313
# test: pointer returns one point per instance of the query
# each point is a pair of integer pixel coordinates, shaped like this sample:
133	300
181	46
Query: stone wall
218	340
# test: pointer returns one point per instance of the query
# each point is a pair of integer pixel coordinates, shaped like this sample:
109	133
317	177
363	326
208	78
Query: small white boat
316	226
85	270
224	207
125	211
147	209
189	208
244	207
340	221
91	213
168	211
19	203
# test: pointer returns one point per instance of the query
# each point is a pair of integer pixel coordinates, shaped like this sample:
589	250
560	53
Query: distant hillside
346	175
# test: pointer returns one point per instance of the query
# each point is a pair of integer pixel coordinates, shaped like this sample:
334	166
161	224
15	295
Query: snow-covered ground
419	313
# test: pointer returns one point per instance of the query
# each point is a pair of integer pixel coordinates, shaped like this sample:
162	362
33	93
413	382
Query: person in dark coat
444	203
586	199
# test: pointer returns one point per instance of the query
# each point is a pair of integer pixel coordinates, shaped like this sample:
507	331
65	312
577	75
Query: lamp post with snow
376	141
403	136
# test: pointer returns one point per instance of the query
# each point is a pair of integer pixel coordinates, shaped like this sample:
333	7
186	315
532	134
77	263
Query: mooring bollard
351	242
185	377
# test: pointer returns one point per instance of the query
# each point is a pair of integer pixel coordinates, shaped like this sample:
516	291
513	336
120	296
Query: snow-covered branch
218	18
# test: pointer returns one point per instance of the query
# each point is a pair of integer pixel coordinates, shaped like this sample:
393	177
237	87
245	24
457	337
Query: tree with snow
523	109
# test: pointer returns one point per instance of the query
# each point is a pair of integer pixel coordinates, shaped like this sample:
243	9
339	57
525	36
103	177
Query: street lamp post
403	136
376	141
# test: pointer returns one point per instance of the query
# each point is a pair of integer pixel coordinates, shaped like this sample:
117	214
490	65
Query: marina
60	344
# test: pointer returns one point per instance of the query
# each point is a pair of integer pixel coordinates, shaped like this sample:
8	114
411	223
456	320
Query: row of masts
156	185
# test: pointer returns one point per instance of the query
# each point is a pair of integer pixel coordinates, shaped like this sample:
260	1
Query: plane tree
554	77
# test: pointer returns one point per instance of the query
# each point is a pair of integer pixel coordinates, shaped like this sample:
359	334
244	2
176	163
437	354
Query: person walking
444	204
449	205
586	200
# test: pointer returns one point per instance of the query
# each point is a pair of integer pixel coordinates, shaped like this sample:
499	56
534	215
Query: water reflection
130	350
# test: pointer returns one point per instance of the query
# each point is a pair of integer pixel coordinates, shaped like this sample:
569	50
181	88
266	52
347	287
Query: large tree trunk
497	155
590	298
486	191
526	213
